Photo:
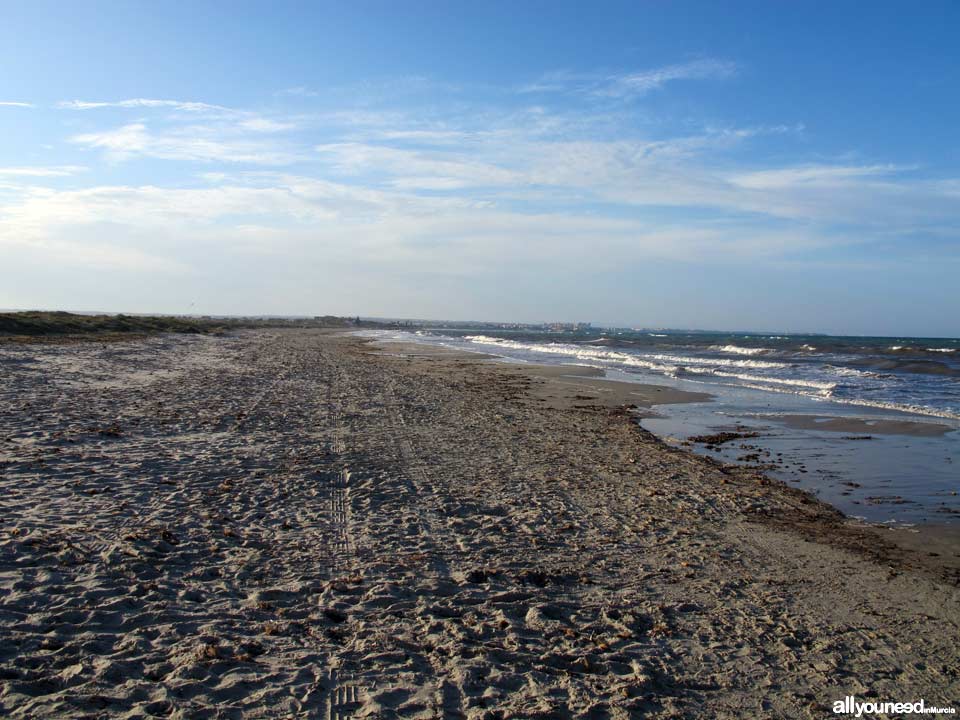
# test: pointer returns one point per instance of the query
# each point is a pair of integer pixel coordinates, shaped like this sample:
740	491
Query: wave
900	407
854	373
737	350
909	408
903	349
649	360
721	362
573	351
909	365
822	388
668	364
487	340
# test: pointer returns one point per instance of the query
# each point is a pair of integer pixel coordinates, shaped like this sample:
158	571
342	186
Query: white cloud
640	83
244	118
630	84
298	91
301	217
307	240
557	81
412	169
57	171
194	143
464	192
430	137
36	212
703	171
10	103
948	187
187	106
682	172
809	175
194	131
98	256
260	124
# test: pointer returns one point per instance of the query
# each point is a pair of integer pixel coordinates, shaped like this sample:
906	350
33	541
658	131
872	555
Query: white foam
852	372
950	350
721	362
656	361
823	388
737	350
575	351
900	407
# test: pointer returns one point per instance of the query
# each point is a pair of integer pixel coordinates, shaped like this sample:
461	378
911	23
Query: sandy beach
299	523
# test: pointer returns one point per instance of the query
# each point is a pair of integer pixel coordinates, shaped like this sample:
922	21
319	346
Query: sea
791	399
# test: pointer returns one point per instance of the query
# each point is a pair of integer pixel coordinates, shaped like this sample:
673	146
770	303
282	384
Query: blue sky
746	165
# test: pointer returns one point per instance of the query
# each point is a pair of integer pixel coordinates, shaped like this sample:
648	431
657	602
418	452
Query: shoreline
892	469
932	547
293	522
593	385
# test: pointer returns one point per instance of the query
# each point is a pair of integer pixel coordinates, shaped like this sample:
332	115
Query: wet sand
862	426
296	523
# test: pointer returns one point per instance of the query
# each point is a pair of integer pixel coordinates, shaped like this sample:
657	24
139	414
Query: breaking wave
737	350
883	384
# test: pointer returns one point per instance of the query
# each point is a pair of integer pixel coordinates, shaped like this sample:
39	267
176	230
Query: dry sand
296	524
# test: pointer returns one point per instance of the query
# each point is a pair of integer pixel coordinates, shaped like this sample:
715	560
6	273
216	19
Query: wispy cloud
186	106
464	189
556	81
188	130
643	82
56	171
631	84
534	155
417	169
311	220
11	103
431	137
811	175
266	125
298	91
704	171
194	143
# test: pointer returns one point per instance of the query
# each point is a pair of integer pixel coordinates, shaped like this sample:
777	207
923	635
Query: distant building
568	327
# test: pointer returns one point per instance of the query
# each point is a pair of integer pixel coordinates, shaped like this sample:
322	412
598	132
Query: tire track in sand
344	696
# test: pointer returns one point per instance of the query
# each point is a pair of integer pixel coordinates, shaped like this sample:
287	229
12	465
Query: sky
743	165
